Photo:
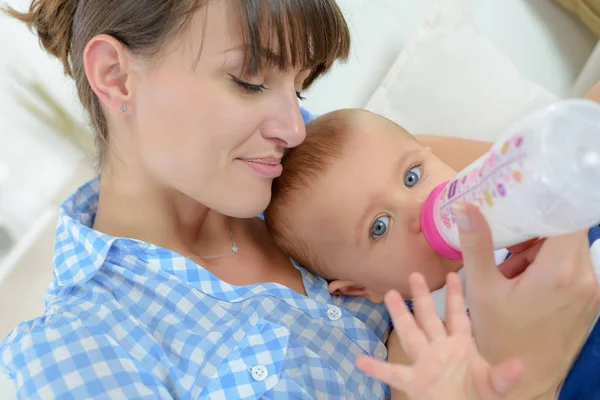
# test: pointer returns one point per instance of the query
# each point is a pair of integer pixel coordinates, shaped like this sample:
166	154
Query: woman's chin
247	206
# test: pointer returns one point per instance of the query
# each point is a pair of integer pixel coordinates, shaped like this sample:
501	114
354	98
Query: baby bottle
539	180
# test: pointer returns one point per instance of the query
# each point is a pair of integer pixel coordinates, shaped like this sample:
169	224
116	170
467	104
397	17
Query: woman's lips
265	167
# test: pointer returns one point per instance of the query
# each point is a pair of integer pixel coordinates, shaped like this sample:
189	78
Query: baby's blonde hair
326	137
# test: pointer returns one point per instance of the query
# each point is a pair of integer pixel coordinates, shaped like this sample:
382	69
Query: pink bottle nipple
430	231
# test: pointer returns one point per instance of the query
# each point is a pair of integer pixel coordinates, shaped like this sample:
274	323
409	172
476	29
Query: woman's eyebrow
266	53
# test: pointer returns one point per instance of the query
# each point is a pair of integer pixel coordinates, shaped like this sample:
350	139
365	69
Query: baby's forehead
376	140
369	143
375	155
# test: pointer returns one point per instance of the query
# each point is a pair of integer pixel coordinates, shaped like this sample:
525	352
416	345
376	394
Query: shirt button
381	353
259	373
334	313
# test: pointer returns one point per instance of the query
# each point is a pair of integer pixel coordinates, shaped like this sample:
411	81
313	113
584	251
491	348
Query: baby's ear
349	288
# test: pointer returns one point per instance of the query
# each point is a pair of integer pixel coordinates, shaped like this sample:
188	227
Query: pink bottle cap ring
430	231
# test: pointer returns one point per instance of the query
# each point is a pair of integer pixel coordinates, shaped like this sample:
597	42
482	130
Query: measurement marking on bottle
483	181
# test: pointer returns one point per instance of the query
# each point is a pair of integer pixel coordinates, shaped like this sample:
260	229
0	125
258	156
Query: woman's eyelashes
251	88
380	227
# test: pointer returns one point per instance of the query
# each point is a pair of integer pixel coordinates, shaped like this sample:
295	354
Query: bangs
287	34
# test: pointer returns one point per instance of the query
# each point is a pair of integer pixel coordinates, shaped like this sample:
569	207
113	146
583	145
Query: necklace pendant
235	249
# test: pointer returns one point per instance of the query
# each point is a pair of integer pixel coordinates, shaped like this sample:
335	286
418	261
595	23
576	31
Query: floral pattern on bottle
487	182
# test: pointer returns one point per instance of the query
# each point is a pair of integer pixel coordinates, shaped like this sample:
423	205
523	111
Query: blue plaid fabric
126	319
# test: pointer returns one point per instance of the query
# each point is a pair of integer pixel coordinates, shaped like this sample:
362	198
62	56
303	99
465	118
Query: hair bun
52	20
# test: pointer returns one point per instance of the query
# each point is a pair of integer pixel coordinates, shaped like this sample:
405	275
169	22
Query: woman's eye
247	87
412	176
380	227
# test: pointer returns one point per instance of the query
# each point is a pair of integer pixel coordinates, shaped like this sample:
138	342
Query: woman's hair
310	33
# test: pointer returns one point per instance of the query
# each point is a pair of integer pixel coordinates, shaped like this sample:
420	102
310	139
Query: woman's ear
107	67
349	288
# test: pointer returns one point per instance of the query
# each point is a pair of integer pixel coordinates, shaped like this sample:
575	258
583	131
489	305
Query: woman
193	103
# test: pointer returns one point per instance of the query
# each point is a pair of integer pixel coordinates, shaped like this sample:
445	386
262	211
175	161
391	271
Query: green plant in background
42	105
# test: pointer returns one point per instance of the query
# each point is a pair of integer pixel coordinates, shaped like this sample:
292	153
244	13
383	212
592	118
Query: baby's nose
414	216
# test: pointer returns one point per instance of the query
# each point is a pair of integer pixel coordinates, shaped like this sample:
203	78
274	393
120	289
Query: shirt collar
79	250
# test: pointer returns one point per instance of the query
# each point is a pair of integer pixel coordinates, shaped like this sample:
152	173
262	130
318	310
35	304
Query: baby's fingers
411	337
425	312
457	320
397	376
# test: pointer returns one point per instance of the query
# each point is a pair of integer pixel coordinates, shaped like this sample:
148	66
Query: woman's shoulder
63	355
457	153
250	337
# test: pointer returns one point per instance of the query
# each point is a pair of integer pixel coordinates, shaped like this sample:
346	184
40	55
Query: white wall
548	45
38	164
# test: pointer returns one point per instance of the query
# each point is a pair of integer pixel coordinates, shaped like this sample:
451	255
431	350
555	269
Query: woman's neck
134	206
130	207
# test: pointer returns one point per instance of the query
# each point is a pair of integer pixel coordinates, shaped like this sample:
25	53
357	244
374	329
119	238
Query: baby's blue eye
412	177
380	227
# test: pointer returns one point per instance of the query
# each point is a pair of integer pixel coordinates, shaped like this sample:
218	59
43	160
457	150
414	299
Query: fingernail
461	214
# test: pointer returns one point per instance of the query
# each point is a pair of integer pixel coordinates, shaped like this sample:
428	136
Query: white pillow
450	81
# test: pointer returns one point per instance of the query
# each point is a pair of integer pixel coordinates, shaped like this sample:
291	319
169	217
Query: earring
124	107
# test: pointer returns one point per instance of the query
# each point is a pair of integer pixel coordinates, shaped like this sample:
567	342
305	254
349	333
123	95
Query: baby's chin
452	265
436	276
444	265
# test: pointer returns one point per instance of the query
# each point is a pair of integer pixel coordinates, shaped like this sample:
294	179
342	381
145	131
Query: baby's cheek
389	273
342	263
407	260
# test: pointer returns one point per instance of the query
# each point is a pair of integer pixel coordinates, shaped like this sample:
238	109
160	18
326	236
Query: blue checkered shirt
126	319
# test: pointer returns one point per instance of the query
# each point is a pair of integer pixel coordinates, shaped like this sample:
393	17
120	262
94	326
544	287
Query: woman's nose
285	124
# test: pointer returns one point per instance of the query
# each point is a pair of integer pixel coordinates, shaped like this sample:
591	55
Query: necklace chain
234	249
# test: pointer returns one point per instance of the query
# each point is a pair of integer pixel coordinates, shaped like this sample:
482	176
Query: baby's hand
445	361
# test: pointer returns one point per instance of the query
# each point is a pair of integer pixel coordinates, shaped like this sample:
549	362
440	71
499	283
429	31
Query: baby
348	205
